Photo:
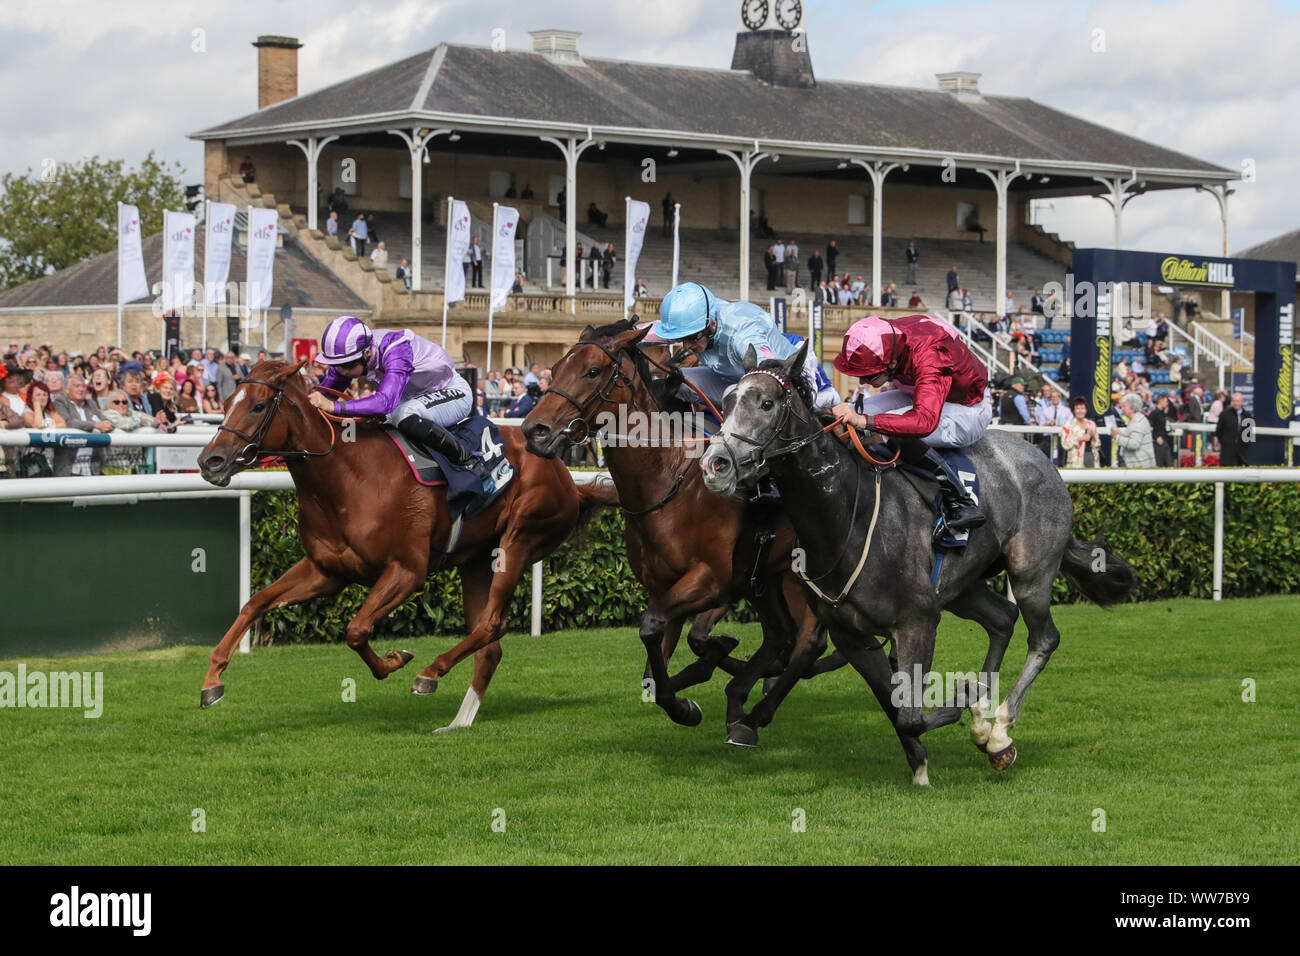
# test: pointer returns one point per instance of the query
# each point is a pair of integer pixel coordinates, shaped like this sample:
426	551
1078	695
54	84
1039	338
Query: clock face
754	13
789	13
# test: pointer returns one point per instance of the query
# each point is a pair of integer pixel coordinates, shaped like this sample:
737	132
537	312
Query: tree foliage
66	213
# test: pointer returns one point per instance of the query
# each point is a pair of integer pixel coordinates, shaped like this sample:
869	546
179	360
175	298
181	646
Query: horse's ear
631	337
587	333
751	359
288	370
794	364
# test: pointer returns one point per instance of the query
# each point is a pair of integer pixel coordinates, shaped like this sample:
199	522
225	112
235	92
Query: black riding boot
440	440
960	512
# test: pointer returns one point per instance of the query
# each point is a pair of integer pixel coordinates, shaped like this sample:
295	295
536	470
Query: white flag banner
505	221
220	229
638	216
457	244
262	224
178	260
131	281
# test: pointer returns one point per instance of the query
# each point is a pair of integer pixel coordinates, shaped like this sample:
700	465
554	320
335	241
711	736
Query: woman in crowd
40	411
1081	442
211	401
1217	406
188	401
101	383
162	402
1134	438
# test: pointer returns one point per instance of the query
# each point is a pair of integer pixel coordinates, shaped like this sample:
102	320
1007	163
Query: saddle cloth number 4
491	451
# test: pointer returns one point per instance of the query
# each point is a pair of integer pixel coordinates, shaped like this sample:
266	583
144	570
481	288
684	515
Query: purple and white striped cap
343	341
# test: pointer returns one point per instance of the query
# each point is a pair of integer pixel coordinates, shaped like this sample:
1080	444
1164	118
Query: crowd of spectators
104	391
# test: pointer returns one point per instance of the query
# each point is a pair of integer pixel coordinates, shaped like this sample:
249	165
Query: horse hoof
211	695
405	656
1003	758
688	713
424	686
741	735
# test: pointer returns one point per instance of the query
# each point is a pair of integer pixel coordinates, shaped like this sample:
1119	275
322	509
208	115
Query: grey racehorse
865	531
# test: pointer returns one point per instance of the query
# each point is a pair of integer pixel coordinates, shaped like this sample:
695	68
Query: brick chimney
277	69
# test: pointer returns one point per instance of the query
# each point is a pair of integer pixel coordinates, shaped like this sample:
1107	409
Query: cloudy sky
1212	79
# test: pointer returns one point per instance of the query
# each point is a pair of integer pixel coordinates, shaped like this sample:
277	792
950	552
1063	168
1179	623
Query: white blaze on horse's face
730	461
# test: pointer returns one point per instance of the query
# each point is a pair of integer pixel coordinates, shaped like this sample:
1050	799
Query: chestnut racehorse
692	550
363	519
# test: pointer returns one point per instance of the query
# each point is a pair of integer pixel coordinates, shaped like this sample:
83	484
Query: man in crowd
380	256
1014	409
475	253
332	224
791	264
815	264
82	412
912	257
227	377
832	253
953	281
357	234
1231	430
404	273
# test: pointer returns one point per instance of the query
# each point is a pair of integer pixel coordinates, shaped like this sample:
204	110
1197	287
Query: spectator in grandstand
595	216
15	381
889	297
1052	412
210	364
778	251
641	290
769	263
815	264
492	384
247	170
133	386
1217	406
372	233
528	192
912	258
40	410
846	294
83	413
475	253
524	398
534	374
1014	410
380	256
404	273
954	303
666	204
857	287
607	265
1160	437
332	223
953	281
1231	431
1009	306
517	287
791	264
188	399
1133	439
1080	440
562	203
211	400
357	235
914	302
1190	305
832	254
594	259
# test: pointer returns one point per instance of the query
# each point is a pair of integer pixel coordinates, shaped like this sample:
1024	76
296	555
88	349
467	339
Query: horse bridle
760	454
602	395
252	450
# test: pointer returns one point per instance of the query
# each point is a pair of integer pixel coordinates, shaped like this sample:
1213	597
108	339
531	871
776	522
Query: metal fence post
537	599
1218	541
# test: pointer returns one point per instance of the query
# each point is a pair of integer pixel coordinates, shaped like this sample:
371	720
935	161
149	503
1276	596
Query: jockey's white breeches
959	425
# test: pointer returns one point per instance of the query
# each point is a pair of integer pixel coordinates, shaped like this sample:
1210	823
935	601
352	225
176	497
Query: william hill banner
1093	322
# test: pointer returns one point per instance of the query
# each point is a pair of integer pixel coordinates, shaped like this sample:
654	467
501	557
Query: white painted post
491	297
1218	541
537	599
677	243
245	562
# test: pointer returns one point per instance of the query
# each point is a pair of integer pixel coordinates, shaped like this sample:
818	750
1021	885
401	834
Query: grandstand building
765	143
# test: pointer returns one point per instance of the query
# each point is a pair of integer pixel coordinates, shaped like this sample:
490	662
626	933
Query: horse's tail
597	494
1099	573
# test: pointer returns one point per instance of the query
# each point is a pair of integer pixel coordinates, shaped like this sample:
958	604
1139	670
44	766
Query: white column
745	162
416	143
572	150
1117	199
1221	192
1002	178
312	150
877	170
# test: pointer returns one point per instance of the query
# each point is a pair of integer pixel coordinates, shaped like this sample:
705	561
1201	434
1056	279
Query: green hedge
1165	531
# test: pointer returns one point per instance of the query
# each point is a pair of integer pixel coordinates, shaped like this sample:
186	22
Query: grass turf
1139	714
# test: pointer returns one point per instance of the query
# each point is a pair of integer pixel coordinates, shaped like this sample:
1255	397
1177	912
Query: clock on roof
753	13
789	13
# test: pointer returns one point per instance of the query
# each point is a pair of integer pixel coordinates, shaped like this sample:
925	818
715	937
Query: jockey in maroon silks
936	397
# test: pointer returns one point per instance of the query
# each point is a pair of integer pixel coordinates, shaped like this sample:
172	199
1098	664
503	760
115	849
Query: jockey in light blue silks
418	388
720	333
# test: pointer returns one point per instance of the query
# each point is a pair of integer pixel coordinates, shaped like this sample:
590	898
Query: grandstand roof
530	94
299	281
1283	248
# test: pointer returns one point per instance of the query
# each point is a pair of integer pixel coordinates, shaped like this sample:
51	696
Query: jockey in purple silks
418	390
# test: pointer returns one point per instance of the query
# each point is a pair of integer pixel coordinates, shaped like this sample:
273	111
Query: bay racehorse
871	569
363	519
692	551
